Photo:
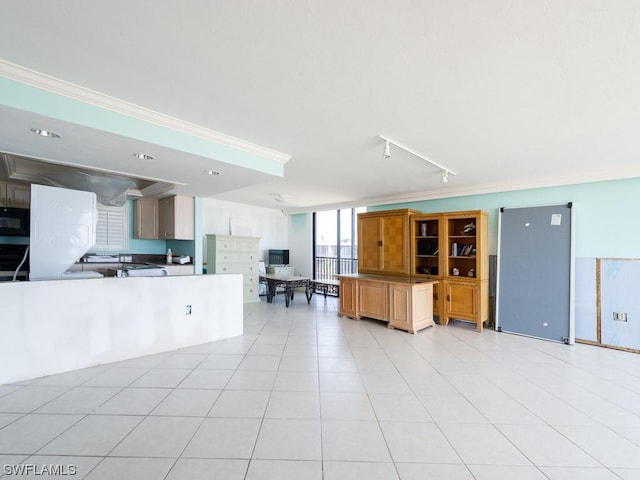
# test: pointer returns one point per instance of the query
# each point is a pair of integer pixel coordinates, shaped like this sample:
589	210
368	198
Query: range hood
111	192
111	189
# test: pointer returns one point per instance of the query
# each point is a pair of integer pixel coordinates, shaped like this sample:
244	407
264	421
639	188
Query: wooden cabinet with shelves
176	217
451	248
426	234
15	195
146	216
466	270
383	242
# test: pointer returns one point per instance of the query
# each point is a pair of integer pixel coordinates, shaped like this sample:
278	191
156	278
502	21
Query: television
278	257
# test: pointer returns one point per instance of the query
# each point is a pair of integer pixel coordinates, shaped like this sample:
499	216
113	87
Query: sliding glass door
335	249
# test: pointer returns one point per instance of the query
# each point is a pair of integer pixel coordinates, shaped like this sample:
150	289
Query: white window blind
111	231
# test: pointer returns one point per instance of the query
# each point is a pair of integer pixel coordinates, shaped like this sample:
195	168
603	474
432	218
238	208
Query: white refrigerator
63	229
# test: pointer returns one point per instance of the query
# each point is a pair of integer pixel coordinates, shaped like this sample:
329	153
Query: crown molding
482	189
57	86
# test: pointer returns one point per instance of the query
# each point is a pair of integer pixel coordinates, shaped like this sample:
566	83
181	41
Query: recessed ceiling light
143	156
212	172
46	133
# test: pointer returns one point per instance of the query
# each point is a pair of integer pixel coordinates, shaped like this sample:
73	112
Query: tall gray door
535	272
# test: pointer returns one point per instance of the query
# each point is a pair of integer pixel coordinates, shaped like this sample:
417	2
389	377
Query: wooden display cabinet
427	234
383	242
466	268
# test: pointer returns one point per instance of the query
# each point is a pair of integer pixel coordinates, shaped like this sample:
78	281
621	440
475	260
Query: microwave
14	222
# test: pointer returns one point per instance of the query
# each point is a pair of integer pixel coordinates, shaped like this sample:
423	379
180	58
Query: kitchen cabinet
176	217
236	254
383	242
146	218
404	303
177	269
15	195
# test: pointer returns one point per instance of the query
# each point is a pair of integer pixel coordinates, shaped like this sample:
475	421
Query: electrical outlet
620	316
187	310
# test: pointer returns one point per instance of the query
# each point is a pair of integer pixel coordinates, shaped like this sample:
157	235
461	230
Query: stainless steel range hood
111	189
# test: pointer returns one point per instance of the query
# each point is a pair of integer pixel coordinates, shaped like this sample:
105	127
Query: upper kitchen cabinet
383	242
176	218
146	218
16	195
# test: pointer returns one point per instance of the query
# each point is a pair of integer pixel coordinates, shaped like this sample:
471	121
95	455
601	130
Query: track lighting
387	150
387	153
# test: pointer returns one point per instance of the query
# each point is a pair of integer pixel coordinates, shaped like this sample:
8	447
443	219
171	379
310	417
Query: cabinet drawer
251	293
225	257
244	268
225	268
237	245
249	245
248	268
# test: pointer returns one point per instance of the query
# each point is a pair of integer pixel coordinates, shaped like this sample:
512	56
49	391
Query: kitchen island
405	303
55	326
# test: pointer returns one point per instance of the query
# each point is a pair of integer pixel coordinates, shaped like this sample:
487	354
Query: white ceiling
507	94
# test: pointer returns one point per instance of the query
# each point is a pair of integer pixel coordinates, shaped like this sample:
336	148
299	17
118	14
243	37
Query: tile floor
307	395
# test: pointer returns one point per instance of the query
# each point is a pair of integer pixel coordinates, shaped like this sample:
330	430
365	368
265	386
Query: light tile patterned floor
307	395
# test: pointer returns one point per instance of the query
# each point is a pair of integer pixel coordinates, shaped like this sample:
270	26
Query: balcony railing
326	268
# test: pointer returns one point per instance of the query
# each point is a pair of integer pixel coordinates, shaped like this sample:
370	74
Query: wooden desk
289	282
404	303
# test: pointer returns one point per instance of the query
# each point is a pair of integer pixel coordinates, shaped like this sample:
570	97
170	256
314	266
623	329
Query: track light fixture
445	172
387	150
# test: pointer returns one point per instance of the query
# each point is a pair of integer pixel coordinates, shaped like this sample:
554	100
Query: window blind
111	231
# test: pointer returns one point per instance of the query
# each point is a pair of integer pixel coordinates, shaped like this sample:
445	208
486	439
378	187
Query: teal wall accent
607	224
298	220
24	97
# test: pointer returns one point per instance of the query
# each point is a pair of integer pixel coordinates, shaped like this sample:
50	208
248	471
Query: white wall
301	243
239	219
56	326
